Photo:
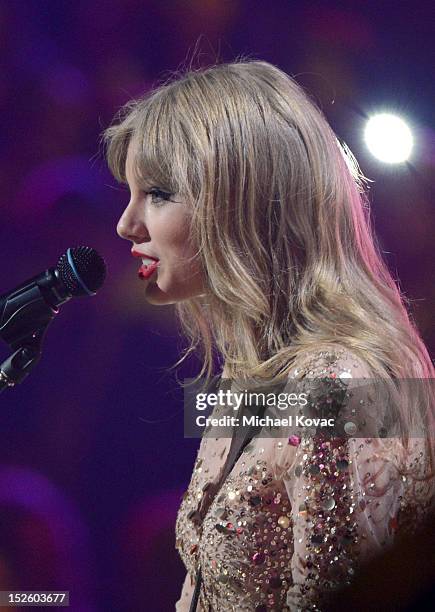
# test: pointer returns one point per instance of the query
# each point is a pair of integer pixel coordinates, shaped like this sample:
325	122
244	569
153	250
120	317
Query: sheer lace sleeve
183	604
345	492
336	520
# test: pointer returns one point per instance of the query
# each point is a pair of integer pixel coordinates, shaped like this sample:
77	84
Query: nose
131	225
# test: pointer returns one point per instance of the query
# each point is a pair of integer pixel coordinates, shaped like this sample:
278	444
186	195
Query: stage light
388	138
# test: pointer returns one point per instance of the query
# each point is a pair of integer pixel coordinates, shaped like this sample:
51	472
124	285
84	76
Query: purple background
92	457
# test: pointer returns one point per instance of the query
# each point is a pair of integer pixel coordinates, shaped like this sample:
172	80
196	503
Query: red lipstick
143	255
147	271
149	264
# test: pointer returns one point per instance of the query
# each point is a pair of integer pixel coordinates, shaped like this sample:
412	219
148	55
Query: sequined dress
296	515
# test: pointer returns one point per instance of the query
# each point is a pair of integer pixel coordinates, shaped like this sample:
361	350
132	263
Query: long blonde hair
281	218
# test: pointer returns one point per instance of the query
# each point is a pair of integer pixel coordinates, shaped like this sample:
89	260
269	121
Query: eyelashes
158	196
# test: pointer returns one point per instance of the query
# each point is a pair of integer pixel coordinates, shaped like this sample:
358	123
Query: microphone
26	310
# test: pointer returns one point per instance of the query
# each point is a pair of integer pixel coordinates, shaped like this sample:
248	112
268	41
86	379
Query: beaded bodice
296	514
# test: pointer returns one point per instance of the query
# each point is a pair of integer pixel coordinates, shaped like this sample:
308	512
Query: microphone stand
17	367
25	315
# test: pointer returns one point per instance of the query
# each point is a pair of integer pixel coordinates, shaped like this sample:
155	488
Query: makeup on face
156	226
149	264
146	272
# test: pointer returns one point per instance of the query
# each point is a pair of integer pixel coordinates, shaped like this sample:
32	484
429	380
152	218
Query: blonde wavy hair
281	219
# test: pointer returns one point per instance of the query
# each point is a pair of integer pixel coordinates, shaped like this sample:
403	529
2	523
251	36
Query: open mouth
148	267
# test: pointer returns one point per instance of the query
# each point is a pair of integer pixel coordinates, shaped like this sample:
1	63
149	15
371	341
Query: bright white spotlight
388	138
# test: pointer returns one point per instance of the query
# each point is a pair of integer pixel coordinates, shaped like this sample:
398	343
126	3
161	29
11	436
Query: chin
154	295
157	296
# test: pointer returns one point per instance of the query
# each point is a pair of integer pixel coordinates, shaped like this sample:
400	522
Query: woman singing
253	220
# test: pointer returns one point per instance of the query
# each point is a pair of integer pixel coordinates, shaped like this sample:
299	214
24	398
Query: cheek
181	265
167	228
172	239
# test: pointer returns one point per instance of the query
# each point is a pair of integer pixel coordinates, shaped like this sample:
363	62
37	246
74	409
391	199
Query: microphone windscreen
82	270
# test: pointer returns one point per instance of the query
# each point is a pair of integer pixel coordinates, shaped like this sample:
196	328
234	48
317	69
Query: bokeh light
389	138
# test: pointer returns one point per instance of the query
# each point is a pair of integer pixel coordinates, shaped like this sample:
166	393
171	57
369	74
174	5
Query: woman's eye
158	196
